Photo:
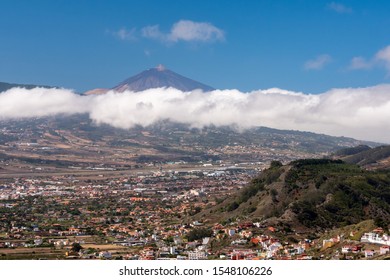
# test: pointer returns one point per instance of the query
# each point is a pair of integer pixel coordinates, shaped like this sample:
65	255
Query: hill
378	157
352	151
77	139
311	195
7	86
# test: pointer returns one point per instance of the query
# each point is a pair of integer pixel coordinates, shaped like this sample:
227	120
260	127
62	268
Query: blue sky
307	46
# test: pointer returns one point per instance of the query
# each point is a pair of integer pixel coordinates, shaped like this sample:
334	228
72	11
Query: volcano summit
158	77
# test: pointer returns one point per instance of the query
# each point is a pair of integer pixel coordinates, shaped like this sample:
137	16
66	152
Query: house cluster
368	253
133	211
371	244
266	151
143	214
377	236
251	241
243	244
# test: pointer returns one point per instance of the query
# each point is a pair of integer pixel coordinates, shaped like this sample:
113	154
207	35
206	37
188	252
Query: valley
167	191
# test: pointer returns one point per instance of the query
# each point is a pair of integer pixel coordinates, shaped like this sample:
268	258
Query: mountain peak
160	77
160	67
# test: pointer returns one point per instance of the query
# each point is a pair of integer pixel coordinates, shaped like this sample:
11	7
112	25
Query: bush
199	233
233	206
276	164
76	247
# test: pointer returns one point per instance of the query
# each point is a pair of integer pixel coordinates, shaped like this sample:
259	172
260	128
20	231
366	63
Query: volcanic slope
78	139
158	77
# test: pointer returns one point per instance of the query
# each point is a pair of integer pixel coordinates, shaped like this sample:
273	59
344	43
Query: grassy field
31	253
57	253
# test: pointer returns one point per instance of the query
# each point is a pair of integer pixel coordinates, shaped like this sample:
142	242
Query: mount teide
158	77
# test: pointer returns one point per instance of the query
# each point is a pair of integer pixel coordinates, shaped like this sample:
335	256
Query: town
148	215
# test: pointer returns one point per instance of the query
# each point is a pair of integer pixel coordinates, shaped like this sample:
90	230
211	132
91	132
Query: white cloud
153	32
126	34
339	8
359	62
363	113
40	102
380	59
318	63
185	30
383	57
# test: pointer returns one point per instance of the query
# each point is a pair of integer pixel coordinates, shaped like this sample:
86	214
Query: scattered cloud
339	8
185	30
126	34
380	59
318	63
153	32
359	62
362	113
147	53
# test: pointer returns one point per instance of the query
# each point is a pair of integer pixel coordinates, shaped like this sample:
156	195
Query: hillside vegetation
310	194
362	156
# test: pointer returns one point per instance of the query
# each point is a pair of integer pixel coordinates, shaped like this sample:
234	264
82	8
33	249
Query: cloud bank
40	102
362	113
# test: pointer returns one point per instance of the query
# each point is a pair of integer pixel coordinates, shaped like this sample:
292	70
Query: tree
199	233
76	247
276	164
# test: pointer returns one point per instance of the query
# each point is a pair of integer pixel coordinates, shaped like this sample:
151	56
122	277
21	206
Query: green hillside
352	151
311	194
368	156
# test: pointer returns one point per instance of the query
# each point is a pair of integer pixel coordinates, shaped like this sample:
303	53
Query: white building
372	237
369	253
383	250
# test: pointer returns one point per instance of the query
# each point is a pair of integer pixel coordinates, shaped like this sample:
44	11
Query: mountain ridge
6	86
367	157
